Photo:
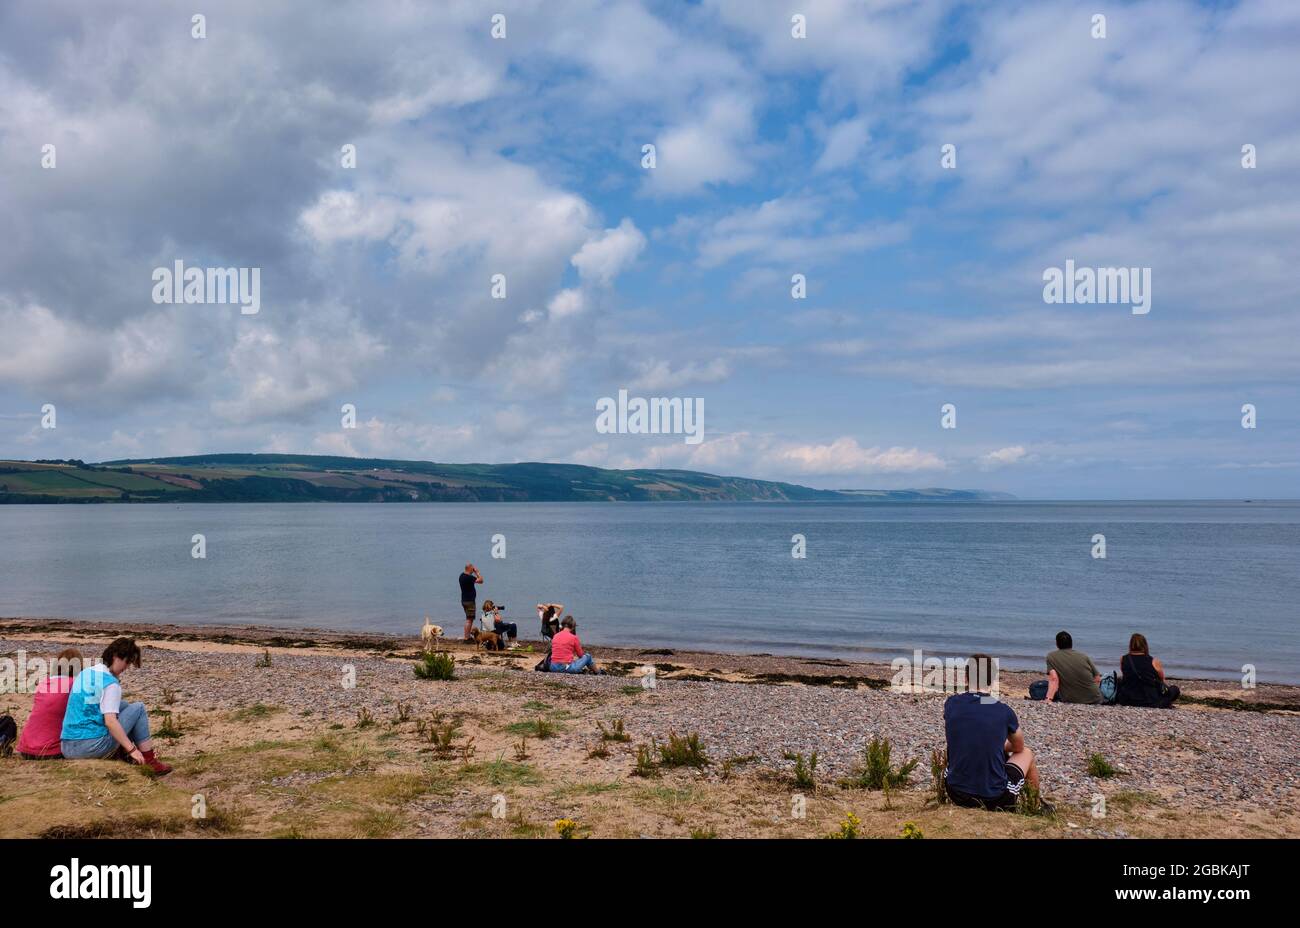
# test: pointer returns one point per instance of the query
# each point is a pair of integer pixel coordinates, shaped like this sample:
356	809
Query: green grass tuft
877	770
685	751
804	770
1099	767
436	665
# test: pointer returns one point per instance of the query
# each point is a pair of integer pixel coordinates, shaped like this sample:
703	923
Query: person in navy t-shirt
467	579
988	763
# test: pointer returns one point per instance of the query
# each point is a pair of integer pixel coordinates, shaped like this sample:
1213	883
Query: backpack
1109	687
1038	690
544	665
8	735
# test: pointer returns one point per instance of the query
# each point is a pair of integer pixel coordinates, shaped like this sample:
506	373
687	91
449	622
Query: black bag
1038	689
544	665
8	735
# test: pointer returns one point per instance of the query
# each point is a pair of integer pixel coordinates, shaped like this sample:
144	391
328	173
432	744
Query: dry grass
322	787
325	776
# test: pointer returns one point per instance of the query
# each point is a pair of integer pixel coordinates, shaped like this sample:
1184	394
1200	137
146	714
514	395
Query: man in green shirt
1071	674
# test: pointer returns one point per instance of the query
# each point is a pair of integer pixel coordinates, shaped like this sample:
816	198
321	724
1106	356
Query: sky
774	155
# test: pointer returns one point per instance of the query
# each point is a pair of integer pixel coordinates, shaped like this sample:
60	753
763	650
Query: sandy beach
335	736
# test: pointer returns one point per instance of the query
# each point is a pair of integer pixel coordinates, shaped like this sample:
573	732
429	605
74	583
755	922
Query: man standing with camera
468	595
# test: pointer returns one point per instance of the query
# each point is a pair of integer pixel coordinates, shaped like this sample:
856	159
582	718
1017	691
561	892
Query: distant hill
936	493
249	478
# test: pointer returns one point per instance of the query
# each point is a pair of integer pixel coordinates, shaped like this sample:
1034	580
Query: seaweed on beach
811	679
1238	705
681	673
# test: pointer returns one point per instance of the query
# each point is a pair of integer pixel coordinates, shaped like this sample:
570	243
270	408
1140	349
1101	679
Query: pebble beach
1194	758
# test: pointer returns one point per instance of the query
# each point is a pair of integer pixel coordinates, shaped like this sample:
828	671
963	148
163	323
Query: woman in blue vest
97	725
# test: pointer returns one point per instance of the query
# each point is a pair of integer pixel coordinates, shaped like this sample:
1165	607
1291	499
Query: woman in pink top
39	739
567	655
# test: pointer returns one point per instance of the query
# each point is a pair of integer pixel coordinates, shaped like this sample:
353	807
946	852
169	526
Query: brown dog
488	641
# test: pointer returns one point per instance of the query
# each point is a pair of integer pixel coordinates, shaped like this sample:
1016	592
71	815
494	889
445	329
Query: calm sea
1213	585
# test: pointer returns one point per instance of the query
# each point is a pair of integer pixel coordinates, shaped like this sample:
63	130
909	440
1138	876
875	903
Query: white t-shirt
110	700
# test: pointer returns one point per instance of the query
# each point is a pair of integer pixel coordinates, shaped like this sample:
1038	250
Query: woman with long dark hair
1142	678
550	613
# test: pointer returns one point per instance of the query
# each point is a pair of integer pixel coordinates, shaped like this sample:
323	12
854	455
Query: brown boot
153	763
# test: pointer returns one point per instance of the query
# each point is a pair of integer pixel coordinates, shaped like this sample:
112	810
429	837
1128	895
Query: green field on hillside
321	478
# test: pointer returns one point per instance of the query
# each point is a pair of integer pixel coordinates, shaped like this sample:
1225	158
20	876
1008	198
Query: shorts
1007	801
468	606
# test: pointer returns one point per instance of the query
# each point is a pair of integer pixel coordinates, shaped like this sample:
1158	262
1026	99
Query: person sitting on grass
493	622
97	725
1142	678
1071	674
567	655
988	762
40	738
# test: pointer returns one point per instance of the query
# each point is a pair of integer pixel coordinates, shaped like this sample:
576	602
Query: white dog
430	633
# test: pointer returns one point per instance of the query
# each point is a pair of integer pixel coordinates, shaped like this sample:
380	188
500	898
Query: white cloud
64	358
605	256
569	302
846	456
843	143
1258	465
340	215
376	437
1003	456
789	231
764	456
713	147
845	348
865	48
660	374
291	374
